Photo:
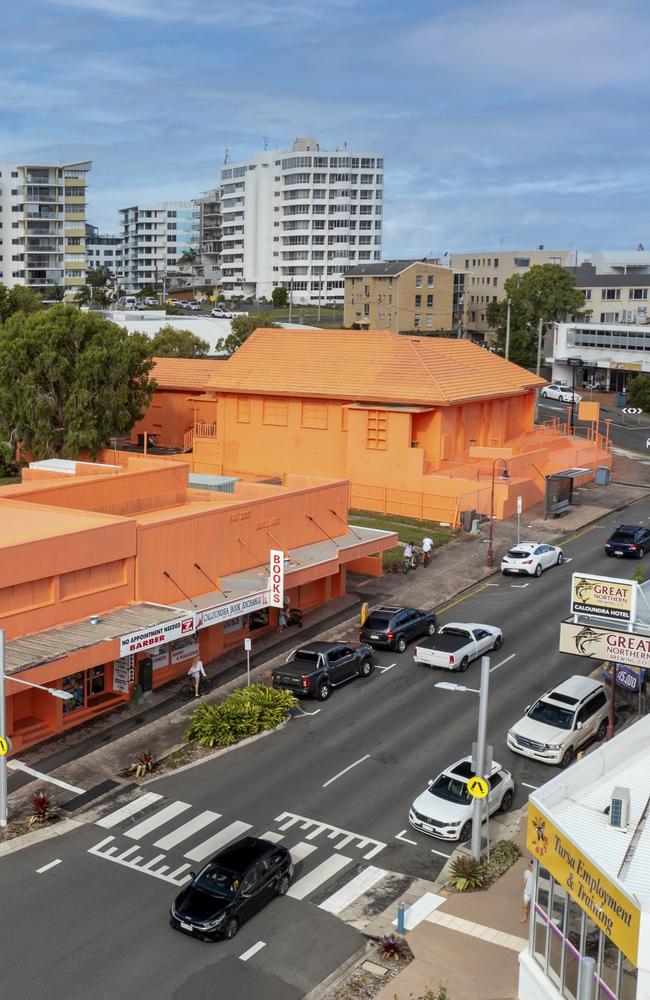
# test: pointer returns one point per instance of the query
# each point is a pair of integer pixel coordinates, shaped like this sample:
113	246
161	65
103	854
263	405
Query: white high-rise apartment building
43	226
299	218
155	237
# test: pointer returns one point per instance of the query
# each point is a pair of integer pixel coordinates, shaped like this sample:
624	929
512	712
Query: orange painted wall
169	416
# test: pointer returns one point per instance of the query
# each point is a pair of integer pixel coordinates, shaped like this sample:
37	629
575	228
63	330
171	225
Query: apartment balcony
47	214
41	179
42	246
36	260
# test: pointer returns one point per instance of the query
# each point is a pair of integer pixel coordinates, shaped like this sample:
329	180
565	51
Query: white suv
561	721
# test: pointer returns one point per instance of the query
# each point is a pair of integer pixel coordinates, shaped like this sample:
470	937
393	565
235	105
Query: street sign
477	787
5	746
632	409
248	645
520	505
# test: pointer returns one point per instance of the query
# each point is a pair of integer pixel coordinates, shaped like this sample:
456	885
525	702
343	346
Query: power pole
508	331
539	345
320	292
290	298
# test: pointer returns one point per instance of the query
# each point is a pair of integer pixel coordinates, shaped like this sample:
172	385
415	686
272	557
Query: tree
83	294
18	299
56	292
280	297
172	343
97	279
69	381
545	292
242	327
638	393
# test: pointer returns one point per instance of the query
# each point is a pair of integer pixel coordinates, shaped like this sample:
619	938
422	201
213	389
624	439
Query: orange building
113	577
416	424
170	416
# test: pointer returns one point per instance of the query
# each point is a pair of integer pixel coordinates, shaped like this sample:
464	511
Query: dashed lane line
441	854
507	660
526	785
252	951
384	669
345	770
50	864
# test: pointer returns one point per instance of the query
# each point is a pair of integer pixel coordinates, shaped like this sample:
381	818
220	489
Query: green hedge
245	712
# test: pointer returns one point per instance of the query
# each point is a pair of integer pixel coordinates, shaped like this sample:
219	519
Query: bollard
586	978
400	918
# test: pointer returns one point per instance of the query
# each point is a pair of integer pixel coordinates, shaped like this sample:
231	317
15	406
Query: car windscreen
377	621
551	715
517	554
217	881
446	787
623	536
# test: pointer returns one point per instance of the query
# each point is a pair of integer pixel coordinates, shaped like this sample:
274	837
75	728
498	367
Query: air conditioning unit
619	809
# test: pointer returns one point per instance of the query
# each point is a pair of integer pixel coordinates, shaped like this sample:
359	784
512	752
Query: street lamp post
481	747
509	304
504	476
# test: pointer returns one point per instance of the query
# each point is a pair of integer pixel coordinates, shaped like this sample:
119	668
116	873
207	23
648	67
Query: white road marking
440	854
300	851
400	836
378	666
534	787
353	889
345	770
520	586
507	660
213	844
17	765
421	909
252	951
318	875
108	853
158	819
569	559
274	837
287	820
130	809
46	868
187	829
301	711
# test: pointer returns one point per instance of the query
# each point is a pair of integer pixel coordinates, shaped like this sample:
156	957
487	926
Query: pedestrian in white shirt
196	672
528	892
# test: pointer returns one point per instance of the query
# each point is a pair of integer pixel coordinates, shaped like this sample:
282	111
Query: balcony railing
203	429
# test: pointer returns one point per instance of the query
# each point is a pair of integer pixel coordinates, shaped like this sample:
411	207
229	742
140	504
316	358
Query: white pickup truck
455	645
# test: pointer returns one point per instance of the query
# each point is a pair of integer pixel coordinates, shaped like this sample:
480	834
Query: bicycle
412	562
186	692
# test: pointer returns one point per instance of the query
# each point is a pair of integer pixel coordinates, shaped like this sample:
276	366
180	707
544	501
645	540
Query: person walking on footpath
528	892
196	672
282	620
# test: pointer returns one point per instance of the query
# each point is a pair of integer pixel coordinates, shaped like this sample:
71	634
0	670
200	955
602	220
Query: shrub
468	874
393	947
502	856
247	711
43	809
143	764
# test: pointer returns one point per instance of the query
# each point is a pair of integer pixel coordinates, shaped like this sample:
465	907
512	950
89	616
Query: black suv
393	628
628	540
234	884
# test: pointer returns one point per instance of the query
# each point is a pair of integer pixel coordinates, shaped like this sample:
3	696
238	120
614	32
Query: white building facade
43	232
103	251
299	218
617	351
154	238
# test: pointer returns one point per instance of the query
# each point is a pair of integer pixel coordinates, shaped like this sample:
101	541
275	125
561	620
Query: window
275	412
611	294
366	309
418	281
377	430
417	320
418	301
587	294
429	301
243	409
429	319
609	317
429	281
638	293
314	414
521	261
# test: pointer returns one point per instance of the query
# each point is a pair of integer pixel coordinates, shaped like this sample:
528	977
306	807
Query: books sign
276	579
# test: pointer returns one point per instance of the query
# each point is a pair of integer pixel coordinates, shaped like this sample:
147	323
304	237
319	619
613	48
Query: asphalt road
337	782
625	431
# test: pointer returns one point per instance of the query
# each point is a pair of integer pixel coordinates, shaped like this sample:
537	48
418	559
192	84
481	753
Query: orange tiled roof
184	373
369	365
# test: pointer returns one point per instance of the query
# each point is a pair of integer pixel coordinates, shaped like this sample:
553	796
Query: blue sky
503	122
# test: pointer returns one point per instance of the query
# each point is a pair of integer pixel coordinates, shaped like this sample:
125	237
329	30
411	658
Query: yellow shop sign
605	903
603	597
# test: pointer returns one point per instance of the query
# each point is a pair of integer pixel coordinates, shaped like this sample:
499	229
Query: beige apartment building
399	295
486	272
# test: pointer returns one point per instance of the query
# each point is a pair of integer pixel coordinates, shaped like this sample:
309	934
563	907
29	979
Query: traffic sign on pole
477	787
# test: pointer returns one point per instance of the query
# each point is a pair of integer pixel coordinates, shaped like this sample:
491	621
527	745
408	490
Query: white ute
455	645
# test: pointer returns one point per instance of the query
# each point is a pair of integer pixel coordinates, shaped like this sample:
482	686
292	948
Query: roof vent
619	810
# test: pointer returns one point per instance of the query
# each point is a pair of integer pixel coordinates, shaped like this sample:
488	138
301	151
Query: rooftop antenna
266	142
226	156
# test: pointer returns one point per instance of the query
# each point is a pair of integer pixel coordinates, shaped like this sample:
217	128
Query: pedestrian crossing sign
477	787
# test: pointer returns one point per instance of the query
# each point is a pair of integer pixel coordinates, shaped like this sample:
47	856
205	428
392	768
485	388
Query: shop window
91	579
243	409
24	596
556	935
95	682
275	412
314	414
572	950
74	684
377	430
629	974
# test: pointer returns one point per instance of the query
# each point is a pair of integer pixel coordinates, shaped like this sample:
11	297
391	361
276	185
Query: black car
393	628
231	887
628	540
317	667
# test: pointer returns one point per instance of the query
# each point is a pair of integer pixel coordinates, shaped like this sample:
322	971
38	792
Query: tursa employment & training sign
603	597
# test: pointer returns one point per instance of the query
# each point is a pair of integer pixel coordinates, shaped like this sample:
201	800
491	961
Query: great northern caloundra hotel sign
603	597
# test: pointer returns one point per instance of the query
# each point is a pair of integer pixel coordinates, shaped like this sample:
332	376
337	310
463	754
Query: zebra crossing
166	839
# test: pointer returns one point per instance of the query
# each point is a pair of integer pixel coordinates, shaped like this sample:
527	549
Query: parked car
393	628
455	645
445	809
562	721
317	667
628	540
561	392
231	887
531	558
194	307
220	313
150	302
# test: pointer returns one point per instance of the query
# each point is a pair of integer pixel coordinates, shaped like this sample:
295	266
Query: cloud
247	13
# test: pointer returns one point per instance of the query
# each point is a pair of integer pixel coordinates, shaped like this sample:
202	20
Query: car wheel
464	664
400	645
601	732
544	395
283	886
231	928
560	559
610	554
466	830
366	668
432	629
506	802
498	642
505	572
323	692
569	757
640	554
538	569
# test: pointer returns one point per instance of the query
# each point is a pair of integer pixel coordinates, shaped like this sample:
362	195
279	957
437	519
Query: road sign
5	746
632	409
248	645
478	787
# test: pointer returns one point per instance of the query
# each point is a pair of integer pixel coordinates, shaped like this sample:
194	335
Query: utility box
603	476
620	399
466	518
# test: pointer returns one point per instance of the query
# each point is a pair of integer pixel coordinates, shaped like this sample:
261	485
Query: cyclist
408	555
427	546
196	672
